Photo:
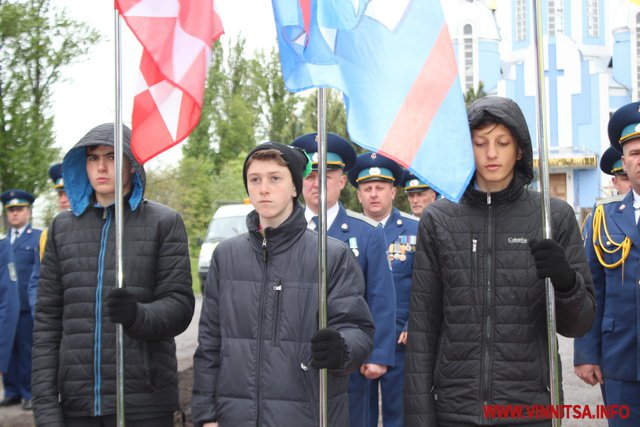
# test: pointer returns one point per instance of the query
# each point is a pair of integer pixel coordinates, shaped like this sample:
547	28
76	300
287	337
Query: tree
279	107
474	94
36	42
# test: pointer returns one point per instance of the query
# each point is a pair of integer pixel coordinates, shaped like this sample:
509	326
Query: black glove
327	349
122	307
551	261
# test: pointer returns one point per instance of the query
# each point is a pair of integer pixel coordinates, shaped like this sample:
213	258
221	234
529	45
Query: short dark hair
268	154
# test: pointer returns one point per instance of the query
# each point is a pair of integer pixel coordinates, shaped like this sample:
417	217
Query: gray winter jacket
253	363
74	364
477	325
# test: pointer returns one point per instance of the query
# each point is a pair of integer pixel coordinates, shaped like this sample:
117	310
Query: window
592	18
556	20
521	20
468	56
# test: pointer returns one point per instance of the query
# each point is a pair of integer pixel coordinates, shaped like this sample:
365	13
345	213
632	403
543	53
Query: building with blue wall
592	67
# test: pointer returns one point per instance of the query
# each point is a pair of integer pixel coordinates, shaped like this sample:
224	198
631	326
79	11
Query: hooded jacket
74	361
253	362
477	326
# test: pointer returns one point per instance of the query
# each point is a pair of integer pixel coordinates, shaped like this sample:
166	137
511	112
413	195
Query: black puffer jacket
477	326
74	364
253	363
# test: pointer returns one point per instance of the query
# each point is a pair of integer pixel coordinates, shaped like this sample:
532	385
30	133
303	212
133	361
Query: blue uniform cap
13	198
412	183
340	153
374	167
611	163
55	173
624	125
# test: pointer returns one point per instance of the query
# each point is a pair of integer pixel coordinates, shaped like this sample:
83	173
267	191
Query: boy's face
336	181
376	198
495	151
271	191
101	173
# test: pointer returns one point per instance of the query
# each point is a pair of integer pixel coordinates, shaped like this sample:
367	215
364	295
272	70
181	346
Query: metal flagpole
543	164
322	242
117	132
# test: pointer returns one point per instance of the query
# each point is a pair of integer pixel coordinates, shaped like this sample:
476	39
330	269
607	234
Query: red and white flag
176	36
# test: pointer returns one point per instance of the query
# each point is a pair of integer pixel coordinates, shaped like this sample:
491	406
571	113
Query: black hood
504	111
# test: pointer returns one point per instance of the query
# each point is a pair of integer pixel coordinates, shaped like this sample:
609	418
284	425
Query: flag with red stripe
176	36
394	62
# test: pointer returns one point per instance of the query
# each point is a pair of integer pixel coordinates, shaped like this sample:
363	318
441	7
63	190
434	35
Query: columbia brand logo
518	240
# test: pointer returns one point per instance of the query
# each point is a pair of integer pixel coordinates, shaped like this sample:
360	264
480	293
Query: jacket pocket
544	363
278	289
474	261
146	365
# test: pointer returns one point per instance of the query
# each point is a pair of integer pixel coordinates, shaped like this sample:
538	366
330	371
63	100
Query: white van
228	221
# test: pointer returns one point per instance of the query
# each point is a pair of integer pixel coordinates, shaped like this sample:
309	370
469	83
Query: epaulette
361	217
612	199
409	216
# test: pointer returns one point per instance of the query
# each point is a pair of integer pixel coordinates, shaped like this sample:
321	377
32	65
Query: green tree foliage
278	107
36	42
474	94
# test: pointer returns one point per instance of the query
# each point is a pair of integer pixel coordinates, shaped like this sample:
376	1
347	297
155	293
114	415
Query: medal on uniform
390	252
353	244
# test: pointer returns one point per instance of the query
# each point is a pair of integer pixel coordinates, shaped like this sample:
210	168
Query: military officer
9	302
609	353
55	173
611	164
367	242
418	192
24	242
375	177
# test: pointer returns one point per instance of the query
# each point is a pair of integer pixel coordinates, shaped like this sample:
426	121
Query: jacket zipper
276	313
485	388
97	337
260	322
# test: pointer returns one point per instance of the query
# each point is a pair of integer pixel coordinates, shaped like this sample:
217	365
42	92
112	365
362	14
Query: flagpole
552	339
117	132
322	242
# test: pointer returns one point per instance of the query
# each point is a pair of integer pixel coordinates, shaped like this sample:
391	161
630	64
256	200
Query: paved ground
576	392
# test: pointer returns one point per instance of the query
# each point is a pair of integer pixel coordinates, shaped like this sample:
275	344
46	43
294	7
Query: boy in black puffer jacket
78	306
259	345
477	322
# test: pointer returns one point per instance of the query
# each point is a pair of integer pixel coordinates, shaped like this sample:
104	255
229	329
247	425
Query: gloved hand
327	349
551	261
122	307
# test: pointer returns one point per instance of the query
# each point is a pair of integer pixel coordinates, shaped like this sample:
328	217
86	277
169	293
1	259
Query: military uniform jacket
400	232
9	302
614	339
24	248
367	243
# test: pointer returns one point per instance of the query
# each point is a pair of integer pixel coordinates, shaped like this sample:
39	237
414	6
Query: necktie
314	219
16	234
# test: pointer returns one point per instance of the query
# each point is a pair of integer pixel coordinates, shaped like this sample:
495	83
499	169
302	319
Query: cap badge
374	155
314	158
374	171
414	182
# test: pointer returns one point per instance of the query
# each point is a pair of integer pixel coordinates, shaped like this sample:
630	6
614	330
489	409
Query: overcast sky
86	97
